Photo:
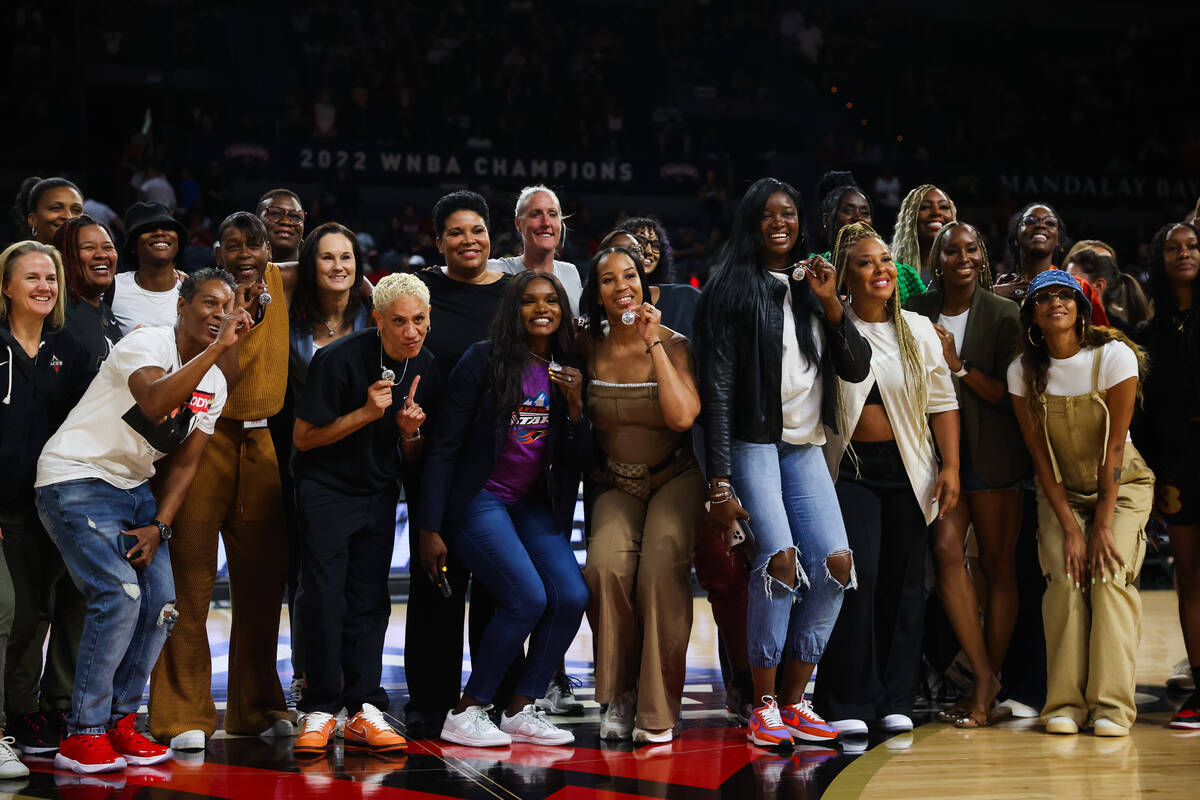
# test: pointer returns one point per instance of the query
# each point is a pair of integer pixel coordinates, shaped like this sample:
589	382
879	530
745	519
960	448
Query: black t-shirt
95	327
462	315
367	461
677	302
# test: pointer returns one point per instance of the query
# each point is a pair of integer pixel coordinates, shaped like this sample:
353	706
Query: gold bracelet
656	341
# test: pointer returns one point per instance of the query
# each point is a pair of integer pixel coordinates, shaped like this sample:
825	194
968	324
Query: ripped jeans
129	611
789	494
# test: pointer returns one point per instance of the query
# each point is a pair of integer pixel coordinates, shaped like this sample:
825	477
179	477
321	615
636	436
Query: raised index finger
412	392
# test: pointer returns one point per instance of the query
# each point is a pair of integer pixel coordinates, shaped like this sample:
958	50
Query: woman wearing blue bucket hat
1073	390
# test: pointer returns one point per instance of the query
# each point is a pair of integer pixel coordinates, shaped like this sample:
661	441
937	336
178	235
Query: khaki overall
1092	632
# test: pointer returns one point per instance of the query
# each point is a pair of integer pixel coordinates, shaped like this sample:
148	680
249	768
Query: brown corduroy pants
235	492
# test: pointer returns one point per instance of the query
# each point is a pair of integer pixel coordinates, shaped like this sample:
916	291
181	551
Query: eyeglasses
652	245
1050	221
279	214
1044	299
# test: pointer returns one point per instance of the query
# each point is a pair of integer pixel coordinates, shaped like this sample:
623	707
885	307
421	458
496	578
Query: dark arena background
370	111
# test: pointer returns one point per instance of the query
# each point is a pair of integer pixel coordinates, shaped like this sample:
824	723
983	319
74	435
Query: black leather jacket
741	375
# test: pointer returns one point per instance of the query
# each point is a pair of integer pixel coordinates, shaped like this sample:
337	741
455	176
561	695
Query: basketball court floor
710	759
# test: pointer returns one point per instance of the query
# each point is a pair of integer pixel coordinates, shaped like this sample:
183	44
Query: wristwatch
966	367
164	530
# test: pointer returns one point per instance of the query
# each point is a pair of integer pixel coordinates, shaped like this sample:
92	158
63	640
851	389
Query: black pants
345	604
1024	671
872	662
280	426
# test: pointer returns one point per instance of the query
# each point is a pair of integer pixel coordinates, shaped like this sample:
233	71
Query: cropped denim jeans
129	611
789	495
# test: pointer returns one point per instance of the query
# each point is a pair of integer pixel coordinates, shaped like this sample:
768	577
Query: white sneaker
850	727
531	726
280	727
618	720
896	723
1061	725
1181	677
474	728
641	736
560	697
1020	710
1106	727
188	740
294	692
10	763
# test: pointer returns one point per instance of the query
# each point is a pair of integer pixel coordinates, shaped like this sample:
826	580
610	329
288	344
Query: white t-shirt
108	436
1068	377
800	385
957	325
566	272
134	307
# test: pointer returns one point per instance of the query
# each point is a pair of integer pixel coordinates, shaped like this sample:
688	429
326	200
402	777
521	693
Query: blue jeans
789	494
530	569
129	611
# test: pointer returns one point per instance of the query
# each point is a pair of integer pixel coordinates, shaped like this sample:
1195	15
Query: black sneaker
36	732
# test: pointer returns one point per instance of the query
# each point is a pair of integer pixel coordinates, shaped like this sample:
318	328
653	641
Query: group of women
834	416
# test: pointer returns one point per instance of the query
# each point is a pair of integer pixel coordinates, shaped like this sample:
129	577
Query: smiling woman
979	332
890	486
90	265
148	294
1073	390
923	212
43	372
773	336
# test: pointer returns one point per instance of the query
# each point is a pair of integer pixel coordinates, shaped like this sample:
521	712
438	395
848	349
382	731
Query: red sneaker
135	747
86	753
766	729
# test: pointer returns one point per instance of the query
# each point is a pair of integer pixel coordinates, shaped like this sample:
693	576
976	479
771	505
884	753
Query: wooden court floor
1014	759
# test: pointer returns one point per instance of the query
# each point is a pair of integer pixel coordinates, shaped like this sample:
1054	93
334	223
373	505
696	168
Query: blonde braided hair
910	352
906	245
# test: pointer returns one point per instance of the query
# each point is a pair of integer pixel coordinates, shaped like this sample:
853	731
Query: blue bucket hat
1057	277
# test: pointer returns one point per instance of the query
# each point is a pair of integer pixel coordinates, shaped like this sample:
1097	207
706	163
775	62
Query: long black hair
739	288
1014	244
665	271
1165	304
510	341
589	303
305	306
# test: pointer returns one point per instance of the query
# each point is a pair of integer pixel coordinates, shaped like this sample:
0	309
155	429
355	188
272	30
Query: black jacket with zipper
741	373
36	394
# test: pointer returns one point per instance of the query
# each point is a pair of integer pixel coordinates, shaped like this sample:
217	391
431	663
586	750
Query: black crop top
873	396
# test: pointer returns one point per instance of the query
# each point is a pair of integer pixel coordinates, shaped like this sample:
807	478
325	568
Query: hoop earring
1029	336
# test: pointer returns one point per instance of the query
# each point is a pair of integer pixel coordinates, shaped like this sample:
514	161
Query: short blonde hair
399	284
9	257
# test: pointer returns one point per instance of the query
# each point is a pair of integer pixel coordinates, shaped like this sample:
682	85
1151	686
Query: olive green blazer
991	438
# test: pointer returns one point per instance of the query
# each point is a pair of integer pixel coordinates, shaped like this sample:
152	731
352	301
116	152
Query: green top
908	280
